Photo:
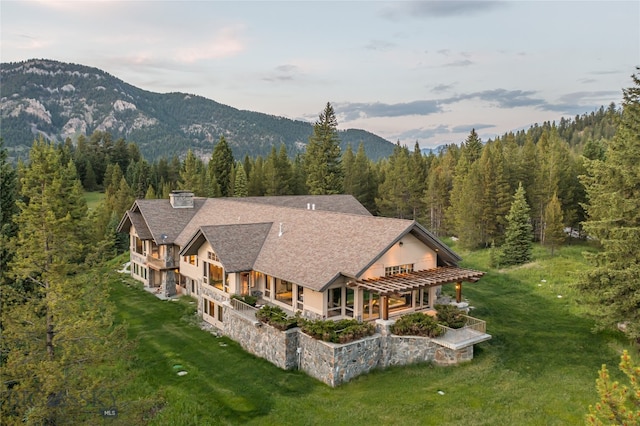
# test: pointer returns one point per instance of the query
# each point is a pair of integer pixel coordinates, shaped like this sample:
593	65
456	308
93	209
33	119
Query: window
370	305
267	287
220	312
425	297
137	245
190	259
299	297
401	301
284	291
340	301
334	302
212	256
213	275
399	269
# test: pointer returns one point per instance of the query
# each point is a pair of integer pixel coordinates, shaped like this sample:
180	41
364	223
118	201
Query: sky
425	71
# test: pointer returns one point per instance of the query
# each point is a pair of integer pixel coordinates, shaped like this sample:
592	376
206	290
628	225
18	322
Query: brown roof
410	281
163	221
310	247
138	223
341	203
224	240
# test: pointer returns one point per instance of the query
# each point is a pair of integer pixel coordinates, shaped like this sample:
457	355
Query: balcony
475	331
166	263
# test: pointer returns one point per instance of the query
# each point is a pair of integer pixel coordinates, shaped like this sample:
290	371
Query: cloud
502	98
224	43
466	128
352	111
442	88
459	63
380	45
285	72
425	133
439	9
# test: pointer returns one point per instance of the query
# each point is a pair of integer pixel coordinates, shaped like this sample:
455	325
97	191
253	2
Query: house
325	257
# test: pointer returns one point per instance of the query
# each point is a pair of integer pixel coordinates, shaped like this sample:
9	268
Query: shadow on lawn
223	382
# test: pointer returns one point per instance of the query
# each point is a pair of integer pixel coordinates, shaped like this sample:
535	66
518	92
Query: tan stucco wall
412	251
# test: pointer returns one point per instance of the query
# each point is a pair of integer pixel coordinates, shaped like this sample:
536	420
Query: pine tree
553	224
518	236
322	156
611	287
191	175
619	404
394	191
364	186
256	179
221	166
8	209
240	185
57	333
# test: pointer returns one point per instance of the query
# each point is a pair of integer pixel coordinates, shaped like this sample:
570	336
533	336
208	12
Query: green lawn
93	199
539	368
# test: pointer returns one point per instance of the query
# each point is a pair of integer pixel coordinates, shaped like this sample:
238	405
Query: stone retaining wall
333	363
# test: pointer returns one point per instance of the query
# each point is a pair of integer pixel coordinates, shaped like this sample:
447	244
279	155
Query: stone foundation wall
277	347
333	363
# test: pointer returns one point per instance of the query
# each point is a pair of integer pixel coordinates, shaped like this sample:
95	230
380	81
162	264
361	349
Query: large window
284	291
213	275
370	305
340	301
401	301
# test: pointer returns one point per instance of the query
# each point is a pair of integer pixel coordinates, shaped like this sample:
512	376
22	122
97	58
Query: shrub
342	331
417	324
451	316
249	300
276	317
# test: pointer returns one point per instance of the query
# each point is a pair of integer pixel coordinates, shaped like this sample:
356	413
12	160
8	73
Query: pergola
400	283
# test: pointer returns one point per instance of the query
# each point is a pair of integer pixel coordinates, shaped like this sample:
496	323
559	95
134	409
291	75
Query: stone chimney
181	199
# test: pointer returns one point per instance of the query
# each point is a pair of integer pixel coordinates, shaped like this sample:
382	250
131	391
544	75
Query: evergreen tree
221	166
240	188
256	187
612	286
8	209
191	175
322	157
417	181
364	186
394	191
553	224
518	236
348	160
58	332
619	404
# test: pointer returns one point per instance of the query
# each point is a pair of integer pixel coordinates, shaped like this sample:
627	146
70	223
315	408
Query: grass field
539	368
93	199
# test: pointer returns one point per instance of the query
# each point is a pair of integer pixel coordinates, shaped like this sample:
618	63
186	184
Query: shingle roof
342	203
164	220
225	241
139	224
315	247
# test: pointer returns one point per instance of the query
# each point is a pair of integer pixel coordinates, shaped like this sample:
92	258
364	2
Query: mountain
60	100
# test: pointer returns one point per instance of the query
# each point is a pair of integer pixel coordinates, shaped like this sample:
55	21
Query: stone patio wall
333	363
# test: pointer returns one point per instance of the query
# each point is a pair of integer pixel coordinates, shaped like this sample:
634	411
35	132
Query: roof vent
181	199
281	230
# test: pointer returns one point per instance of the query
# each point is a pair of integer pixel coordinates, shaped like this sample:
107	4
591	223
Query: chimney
181	199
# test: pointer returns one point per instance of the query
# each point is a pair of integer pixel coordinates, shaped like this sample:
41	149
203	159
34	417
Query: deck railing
474	329
243	309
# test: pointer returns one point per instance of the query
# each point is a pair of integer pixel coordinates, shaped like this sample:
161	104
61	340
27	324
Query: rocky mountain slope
62	100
